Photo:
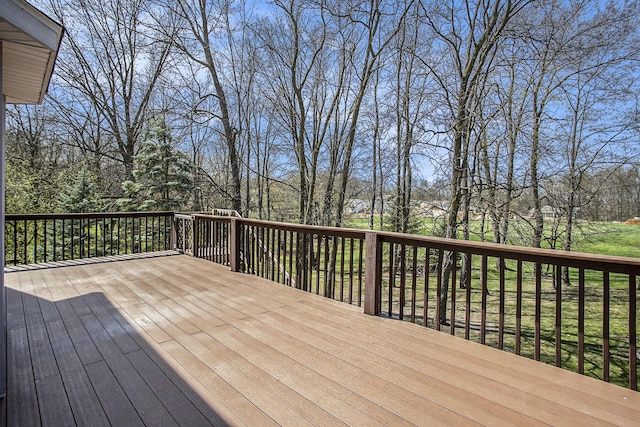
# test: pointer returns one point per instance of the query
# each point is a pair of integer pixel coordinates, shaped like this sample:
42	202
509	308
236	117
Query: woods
521	115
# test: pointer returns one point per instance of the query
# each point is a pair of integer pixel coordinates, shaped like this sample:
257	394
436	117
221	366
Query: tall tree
198	25
110	66
408	89
378	23
595	96
164	178
513	95
468	34
82	196
297	62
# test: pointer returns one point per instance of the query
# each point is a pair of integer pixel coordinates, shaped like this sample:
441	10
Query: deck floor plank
249	373
22	402
472	391
462	369
174	340
185	395
232	399
334	351
352	399
15	309
144	400
181	408
83	344
84	402
509	370
258	387
119	409
479	410
41	351
54	406
392	395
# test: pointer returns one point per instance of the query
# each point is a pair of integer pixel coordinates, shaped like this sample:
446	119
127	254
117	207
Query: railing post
372	274
194	236
234	245
174	233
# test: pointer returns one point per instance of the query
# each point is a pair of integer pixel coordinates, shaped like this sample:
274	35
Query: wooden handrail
37	238
92	215
613	264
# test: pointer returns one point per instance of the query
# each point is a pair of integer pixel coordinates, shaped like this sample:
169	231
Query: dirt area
633	221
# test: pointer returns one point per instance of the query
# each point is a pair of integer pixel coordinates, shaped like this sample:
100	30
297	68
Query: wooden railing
183	233
211	239
325	261
512	298
38	238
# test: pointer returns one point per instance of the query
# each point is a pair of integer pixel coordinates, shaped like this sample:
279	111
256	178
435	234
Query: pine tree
163	175
82	196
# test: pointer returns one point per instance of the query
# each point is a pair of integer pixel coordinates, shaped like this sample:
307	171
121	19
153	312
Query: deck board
175	340
20	381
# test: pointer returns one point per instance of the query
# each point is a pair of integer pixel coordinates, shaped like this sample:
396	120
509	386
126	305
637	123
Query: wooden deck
175	340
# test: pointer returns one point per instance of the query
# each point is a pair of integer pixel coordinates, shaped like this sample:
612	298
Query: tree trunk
535	186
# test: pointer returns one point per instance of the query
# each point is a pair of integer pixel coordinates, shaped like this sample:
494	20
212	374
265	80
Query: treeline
288	110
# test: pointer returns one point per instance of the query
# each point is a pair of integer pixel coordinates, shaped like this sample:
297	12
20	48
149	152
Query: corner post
194	235
372	274
234	245
174	233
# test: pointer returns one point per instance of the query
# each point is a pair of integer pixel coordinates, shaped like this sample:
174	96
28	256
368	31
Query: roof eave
46	33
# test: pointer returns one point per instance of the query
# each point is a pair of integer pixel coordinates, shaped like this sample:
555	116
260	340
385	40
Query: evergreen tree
163	175
82	196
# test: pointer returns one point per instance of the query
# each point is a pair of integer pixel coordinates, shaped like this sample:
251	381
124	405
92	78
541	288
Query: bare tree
467	33
111	62
409	86
379	23
199	25
596	95
296	48
512	98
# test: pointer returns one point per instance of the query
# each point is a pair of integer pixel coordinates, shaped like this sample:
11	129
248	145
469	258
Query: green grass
610	239
616	239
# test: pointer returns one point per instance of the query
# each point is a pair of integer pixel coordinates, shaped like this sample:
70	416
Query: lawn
617	239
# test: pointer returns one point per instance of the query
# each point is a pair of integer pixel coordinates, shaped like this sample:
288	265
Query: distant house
433	209
357	206
548	212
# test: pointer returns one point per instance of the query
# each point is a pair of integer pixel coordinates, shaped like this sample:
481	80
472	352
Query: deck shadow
78	361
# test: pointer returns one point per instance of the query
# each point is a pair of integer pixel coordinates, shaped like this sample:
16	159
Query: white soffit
30	42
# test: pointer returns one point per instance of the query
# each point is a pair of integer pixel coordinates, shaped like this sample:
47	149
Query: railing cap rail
316	229
528	254
610	263
36	216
